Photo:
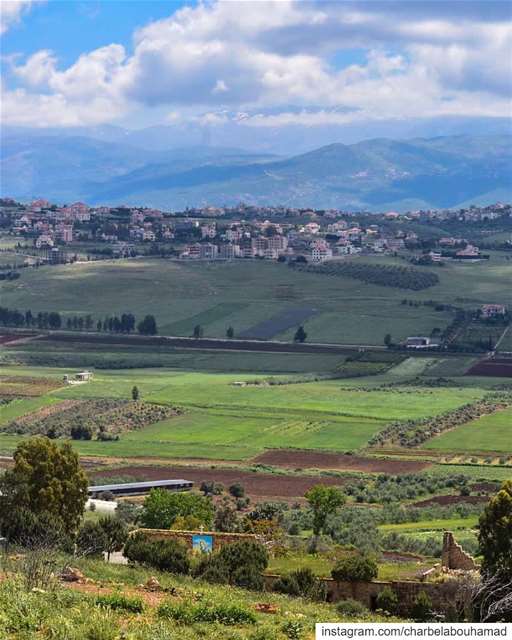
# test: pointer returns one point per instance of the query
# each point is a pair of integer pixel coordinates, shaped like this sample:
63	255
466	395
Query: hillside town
58	234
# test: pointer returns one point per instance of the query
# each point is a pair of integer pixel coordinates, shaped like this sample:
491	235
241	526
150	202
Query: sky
255	69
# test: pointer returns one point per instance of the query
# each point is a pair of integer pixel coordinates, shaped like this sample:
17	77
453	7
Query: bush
351	608
355	568
243	554
215	573
239	563
387	600
248	578
293	629
237	490
421	610
35	530
91	540
165	555
187	613
303	583
120	602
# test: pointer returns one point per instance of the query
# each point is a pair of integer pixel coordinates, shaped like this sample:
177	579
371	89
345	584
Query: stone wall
218	539
442	595
454	556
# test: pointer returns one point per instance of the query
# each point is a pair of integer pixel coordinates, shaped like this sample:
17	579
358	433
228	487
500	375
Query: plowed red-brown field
446	500
495	367
261	485
318	460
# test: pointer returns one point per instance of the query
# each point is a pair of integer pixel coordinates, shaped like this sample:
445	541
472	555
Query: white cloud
11	12
261	56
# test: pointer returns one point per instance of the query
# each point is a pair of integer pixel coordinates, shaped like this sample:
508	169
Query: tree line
126	323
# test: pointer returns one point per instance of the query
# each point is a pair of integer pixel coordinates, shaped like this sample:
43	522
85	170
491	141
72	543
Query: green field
87	355
244	293
492	432
225	421
450	524
473	471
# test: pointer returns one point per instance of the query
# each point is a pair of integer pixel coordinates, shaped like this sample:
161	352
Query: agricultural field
490	433
182	295
235	417
135	356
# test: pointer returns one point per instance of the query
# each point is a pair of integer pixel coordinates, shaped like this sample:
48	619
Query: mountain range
375	175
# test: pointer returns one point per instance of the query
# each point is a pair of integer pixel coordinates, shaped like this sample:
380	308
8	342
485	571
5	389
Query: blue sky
254	66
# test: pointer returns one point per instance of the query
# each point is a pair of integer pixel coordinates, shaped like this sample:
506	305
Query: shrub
248	578
187	613
303	583
387	600
166	555
351	608
35	530
237	490
215	573
91	539
421	610
121	602
244	553
355	568
293	629
239	563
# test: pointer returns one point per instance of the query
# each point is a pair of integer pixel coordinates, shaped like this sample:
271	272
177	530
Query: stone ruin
454	556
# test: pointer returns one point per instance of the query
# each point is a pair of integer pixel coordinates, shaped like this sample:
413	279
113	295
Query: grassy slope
181	295
70	614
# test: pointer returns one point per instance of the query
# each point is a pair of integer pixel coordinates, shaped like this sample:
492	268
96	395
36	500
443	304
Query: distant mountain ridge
376	174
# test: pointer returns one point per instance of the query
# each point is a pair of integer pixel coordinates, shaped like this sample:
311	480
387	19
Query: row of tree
126	323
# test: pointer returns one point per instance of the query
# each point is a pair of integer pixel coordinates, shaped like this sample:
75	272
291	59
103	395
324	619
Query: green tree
198	331
495	533
162	507
323	500
237	490
115	531
355	568
147	327
45	478
388	341
300	335
230	332
135	393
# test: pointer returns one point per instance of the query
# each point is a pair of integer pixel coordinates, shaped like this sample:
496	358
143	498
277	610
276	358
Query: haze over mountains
108	167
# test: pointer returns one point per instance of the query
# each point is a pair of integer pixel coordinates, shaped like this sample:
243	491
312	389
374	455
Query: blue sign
201	543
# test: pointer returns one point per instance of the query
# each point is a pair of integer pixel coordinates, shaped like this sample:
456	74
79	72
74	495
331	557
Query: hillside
375	174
